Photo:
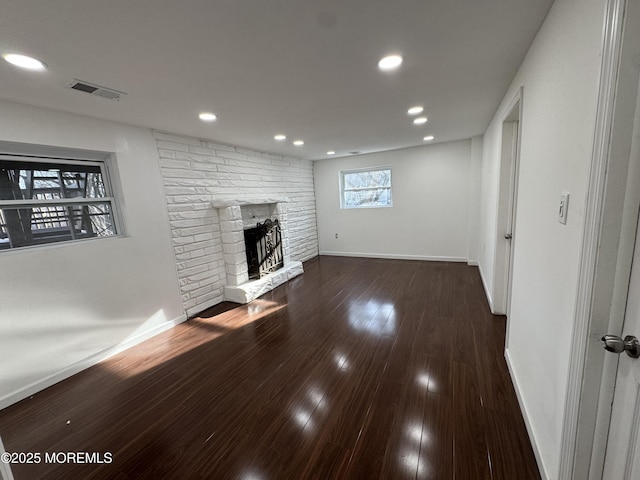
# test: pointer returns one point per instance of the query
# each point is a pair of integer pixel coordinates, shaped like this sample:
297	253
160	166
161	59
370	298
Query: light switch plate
564	208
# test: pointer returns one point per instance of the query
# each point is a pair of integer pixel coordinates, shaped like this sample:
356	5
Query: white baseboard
486	291
77	367
472	263
393	256
525	415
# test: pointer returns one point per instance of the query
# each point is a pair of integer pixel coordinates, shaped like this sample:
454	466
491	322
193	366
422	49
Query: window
365	188
45	200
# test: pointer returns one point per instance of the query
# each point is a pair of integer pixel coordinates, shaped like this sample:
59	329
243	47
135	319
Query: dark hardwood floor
358	369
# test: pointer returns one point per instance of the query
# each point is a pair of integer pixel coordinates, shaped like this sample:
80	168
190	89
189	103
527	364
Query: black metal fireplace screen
264	248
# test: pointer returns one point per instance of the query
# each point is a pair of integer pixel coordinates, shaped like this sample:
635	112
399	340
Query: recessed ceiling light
298	143
280	137
415	110
331	152
428	138
420	120
22	61
389	63
207	117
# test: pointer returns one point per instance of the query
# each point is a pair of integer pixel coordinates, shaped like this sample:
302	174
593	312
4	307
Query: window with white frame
366	188
50	200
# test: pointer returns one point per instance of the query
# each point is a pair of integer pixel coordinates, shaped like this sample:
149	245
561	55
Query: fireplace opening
263	245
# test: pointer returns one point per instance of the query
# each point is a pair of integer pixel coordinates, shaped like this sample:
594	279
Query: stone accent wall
198	172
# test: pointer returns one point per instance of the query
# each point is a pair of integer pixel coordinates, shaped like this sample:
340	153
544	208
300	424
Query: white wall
432	191
63	307
195	172
560	76
474	200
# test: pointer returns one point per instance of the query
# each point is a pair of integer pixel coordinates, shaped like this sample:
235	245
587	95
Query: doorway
507	205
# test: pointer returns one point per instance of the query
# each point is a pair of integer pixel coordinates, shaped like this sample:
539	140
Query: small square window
369	188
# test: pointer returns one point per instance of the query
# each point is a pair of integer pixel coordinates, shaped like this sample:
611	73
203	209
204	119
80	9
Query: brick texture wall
195	172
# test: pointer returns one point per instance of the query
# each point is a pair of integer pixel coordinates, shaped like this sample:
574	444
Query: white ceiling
306	68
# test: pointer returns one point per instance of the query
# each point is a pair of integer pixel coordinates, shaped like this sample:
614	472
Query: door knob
615	344
508	236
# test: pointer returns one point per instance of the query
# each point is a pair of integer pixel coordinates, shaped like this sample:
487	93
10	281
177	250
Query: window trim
342	174
102	160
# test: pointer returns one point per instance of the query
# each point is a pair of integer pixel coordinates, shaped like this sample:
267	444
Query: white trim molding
577	375
394	256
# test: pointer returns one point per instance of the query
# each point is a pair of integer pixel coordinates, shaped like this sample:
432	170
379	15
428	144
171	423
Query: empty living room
319	240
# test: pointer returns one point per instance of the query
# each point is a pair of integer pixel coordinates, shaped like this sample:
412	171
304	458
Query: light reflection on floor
378	318
341	360
252	476
166	346
423	380
302	417
412	456
314	402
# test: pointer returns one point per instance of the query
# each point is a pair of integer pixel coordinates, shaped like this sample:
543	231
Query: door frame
611	216
510	140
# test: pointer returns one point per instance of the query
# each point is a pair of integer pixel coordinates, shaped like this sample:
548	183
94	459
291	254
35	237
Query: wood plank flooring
358	369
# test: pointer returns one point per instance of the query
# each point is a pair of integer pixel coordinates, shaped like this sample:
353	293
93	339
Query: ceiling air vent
94	89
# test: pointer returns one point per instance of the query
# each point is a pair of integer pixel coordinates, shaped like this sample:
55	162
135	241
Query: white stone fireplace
235	216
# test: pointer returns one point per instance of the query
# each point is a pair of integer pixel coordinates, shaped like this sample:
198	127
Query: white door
511	214
622	459
507	206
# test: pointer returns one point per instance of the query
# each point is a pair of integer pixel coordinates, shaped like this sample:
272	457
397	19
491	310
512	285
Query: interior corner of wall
486	288
477	142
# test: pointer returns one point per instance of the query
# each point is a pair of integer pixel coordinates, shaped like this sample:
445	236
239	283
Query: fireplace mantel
230	202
